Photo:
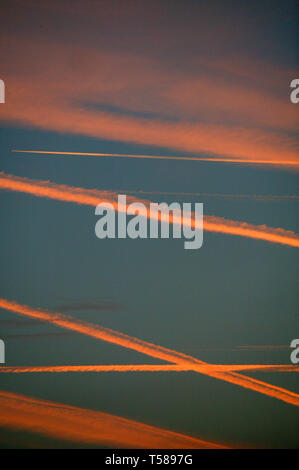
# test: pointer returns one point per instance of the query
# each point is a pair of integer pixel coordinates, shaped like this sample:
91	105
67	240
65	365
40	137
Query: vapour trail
85	426
162	157
94	197
254	197
151	368
149	349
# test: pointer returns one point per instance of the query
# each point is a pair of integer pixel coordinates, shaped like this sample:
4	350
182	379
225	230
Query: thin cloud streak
150	368
38	335
255	197
149	349
85	426
94	197
91	306
162	157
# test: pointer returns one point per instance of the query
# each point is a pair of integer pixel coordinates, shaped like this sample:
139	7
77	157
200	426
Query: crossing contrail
150	349
94	197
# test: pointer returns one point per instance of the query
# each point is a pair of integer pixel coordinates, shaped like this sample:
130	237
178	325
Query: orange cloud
84	426
94	197
136	99
231	144
160	157
150	368
220	101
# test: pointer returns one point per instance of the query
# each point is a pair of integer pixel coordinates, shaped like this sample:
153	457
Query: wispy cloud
18	323
208	108
87	426
238	197
49	334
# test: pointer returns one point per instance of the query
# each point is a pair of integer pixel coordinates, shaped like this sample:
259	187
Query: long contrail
94	197
76	424
151	368
163	157
242	197
150	349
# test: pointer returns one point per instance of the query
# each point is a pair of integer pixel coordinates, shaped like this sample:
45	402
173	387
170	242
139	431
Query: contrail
94	197
151	368
254	197
36	335
150	349
162	157
85	426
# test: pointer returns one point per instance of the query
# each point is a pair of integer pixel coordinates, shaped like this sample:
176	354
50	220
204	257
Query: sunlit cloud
150	368
70	423
207	109
292	163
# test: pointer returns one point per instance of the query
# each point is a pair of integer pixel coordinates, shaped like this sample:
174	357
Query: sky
162	101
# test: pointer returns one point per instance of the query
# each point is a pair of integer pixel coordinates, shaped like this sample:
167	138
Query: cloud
37	335
290	163
239	197
151	368
103	305
17	323
206	108
75	424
